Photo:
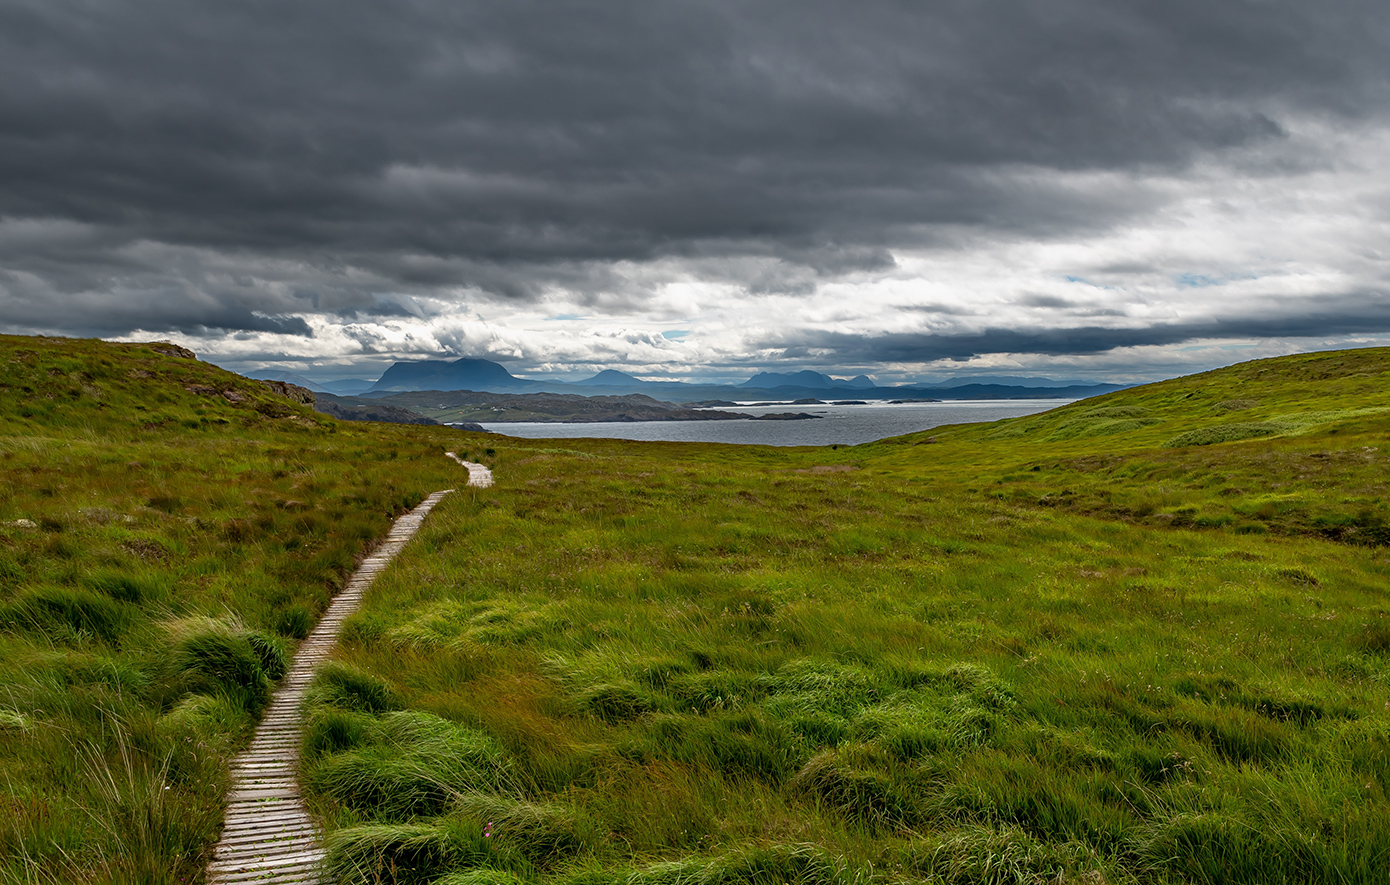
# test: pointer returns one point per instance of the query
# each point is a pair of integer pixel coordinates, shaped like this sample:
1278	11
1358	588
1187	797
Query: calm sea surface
846	425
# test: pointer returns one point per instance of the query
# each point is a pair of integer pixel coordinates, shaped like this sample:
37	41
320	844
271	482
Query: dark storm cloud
1364	314
502	146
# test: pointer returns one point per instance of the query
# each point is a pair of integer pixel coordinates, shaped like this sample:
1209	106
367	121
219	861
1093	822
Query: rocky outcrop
169	348
302	395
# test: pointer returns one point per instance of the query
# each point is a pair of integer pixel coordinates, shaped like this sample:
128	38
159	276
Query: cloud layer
560	183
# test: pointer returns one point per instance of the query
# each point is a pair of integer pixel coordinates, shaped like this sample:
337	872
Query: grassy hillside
1142	638
168	531
916	661
1309	456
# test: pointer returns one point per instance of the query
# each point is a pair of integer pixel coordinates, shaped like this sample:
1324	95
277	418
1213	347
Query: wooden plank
268	836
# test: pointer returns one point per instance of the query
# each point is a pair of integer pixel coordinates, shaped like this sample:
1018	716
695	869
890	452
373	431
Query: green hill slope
1293	445
168	530
1120	641
916	661
1293	395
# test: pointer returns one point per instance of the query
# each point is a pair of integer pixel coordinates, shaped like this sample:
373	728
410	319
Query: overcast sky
1077	188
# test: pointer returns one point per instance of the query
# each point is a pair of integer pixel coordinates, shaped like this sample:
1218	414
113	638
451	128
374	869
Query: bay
843	425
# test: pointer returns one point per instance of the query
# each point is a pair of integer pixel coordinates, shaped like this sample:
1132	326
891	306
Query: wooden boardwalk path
268	836
478	475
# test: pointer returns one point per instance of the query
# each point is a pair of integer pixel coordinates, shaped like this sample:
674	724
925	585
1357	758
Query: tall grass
1050	649
162	547
712	664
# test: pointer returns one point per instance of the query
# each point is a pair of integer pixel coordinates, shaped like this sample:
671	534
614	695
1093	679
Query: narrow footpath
478	475
268	837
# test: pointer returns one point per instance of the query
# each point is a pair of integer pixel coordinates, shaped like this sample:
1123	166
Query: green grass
711	663
168	531
1067	647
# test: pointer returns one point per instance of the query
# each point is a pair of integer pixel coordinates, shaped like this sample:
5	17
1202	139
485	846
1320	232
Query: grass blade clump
125	586
1206	436
545	834
615	703
1006	855
402	854
408	764
346	687
866	785
67	614
213	656
270	651
483	876
294	621
331	730
744	743
1215	847
775	865
807	685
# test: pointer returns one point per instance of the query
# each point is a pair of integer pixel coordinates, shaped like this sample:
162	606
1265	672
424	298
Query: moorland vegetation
168	530
1141	638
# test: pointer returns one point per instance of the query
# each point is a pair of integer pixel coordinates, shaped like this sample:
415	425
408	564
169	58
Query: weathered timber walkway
478	475
268	837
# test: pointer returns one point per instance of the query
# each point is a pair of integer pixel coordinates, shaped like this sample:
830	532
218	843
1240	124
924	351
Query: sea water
845	425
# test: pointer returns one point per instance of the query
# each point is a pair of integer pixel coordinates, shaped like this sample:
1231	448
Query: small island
467	406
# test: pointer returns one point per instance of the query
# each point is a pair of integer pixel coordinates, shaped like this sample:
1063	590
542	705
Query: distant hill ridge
807	380
463	374
610	378
340	387
482	375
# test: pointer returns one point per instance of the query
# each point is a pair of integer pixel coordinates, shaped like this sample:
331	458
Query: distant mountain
1014	391
480	375
611	378
806	379
342	387
347	386
1009	380
462	374
290	377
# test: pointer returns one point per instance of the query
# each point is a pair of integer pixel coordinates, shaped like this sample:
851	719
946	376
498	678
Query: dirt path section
479	477
268	837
